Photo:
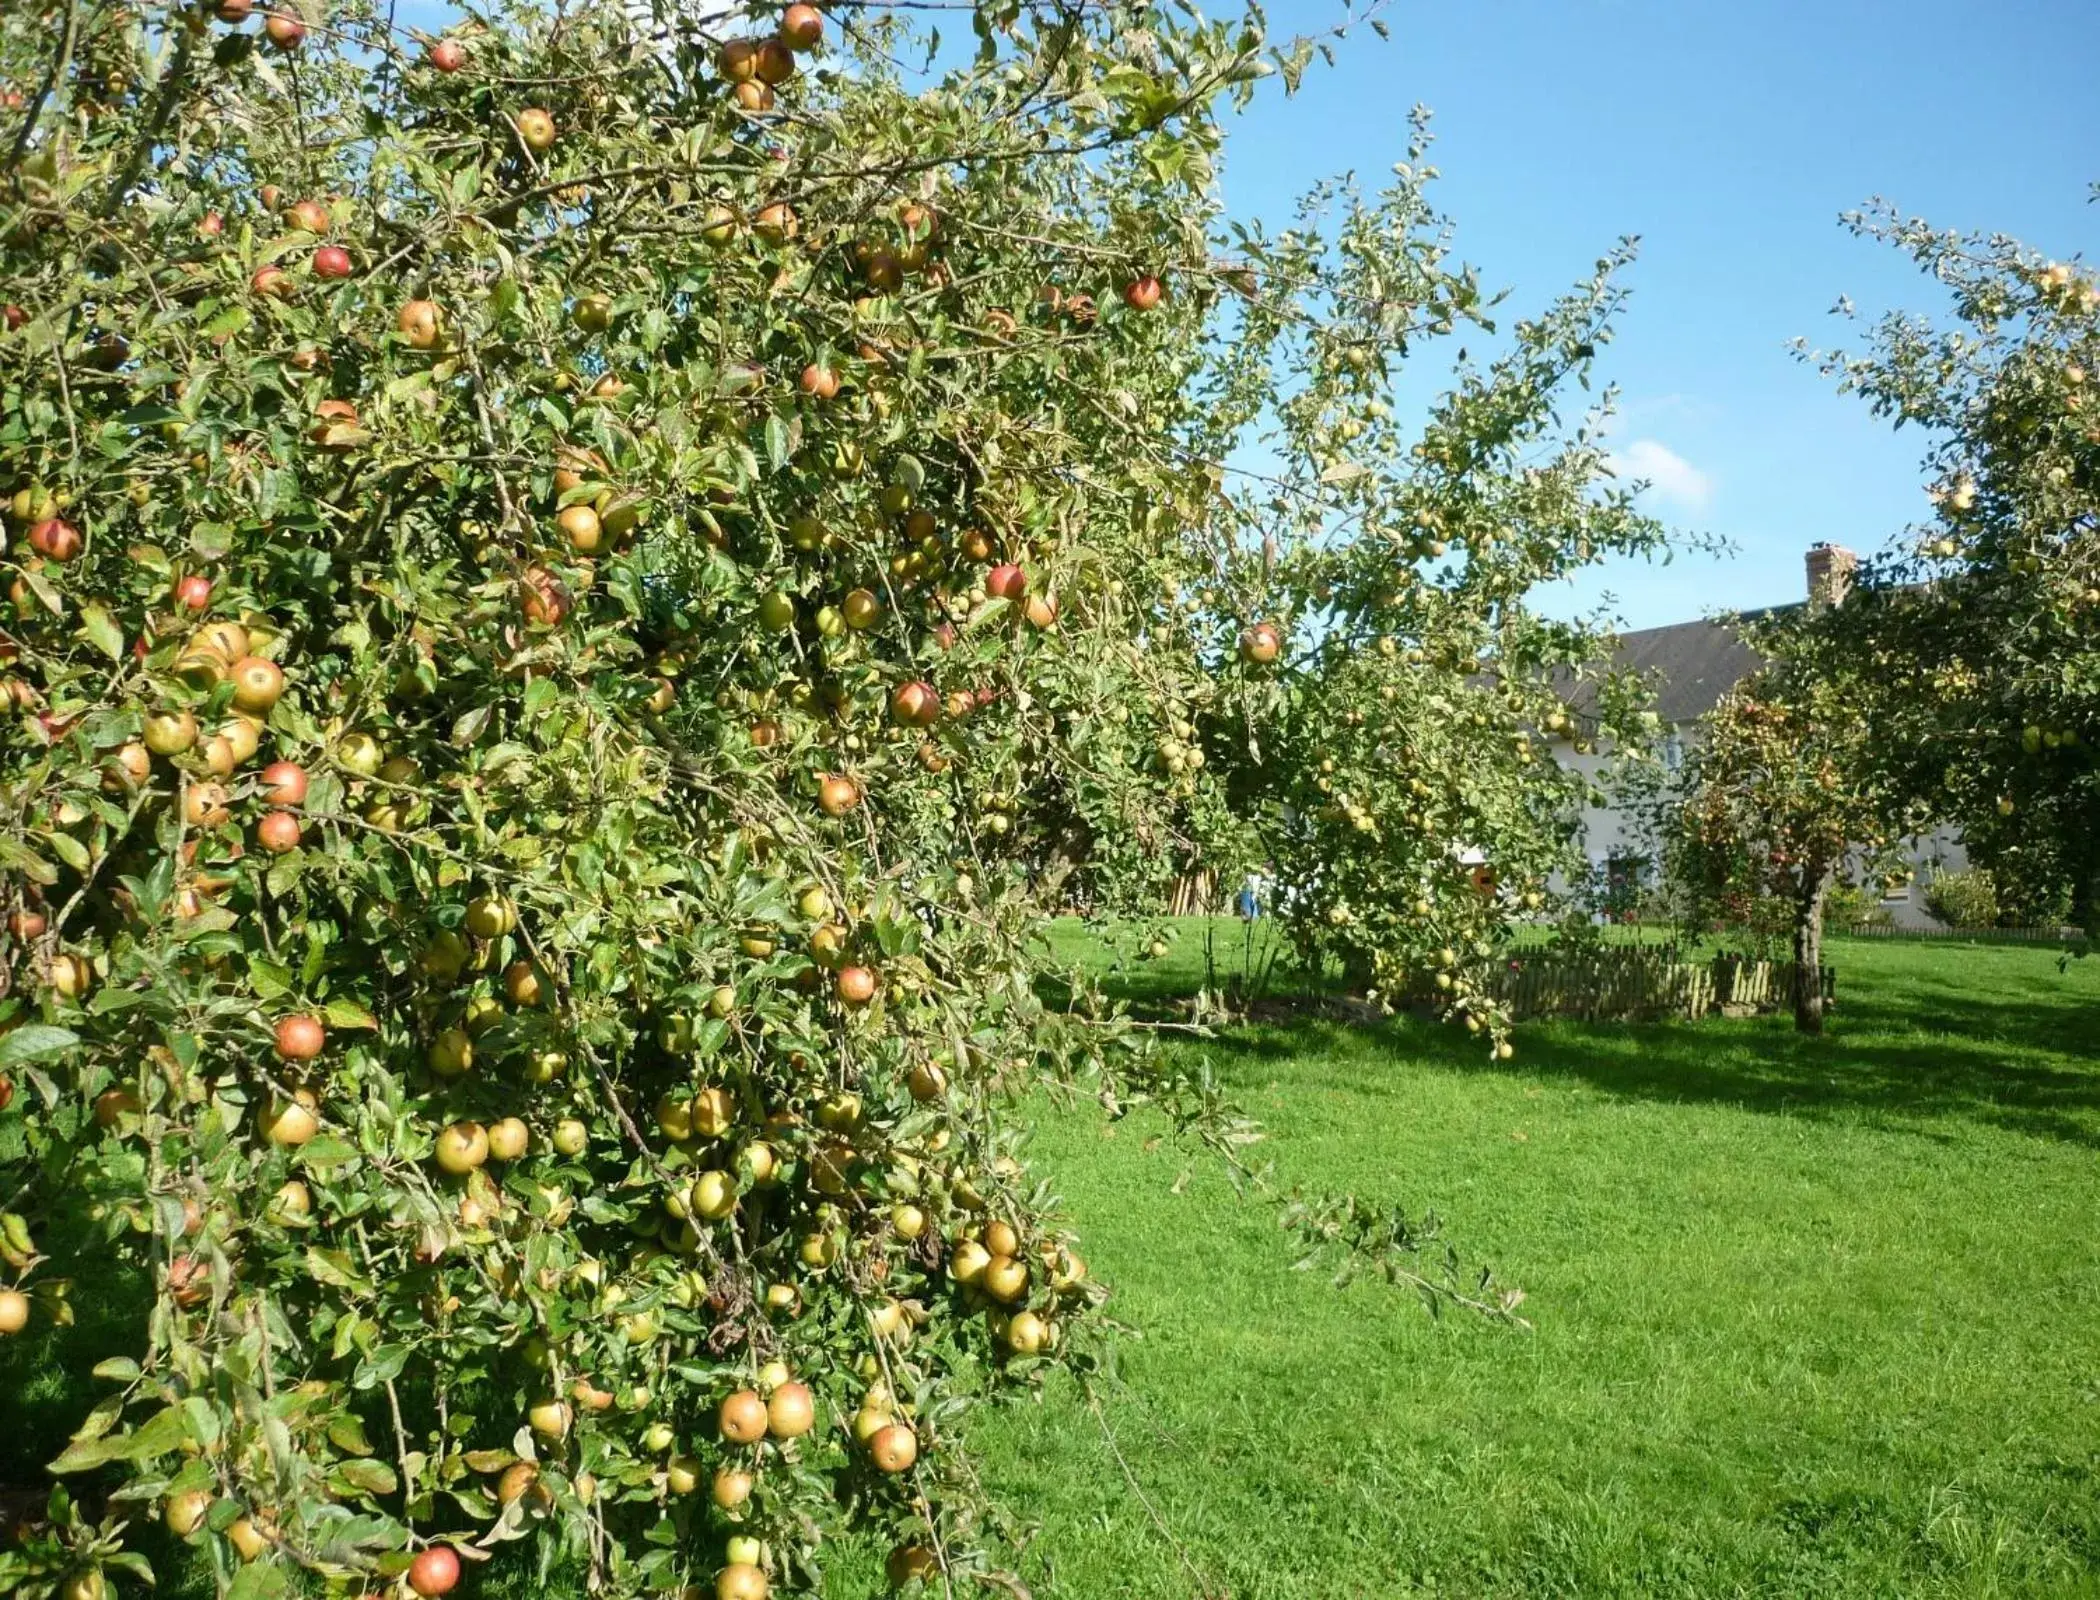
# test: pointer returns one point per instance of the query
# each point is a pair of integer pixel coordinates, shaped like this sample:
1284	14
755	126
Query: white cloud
1672	481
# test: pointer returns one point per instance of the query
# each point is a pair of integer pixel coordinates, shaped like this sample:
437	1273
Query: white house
1692	665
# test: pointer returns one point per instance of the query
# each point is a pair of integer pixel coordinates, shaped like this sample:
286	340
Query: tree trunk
1808	952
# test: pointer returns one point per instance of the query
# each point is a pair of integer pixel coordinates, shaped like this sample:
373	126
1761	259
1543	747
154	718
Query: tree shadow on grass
2031	1068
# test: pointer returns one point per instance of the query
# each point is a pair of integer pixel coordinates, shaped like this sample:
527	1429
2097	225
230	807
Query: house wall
1613	830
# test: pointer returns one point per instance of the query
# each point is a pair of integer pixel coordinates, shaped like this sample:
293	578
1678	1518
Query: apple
331	261
916	704
272	282
737	60
329	415
801	27
571	1136
14	316
69	977
419	323
490	916
742	1417
278	832
285	31
580	526
1041	611
205	805
791	1412
712	1112
284	783
837	794
55	539
740	1581
450	1053
1006	582
968	1263
14	1311
447	55
185	1511
128	769
536	129
732	1487
907	1221
192	593
909	1561
291	1122
774	62
883	271
1005	1278
521	982
544	598
300	1037
1260	645
509	1139
856	985
257	684
462	1147
754	96
359	754
861	609
894	1449
592	313
434	1571
713	1196
819	382
1143	293
776	223
551	1419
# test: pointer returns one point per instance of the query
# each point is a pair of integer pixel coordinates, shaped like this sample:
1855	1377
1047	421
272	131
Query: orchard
576	585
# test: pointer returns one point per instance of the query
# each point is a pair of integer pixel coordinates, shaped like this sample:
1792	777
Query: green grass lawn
1811	1317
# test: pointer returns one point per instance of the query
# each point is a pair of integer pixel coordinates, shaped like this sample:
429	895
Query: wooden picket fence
1640	985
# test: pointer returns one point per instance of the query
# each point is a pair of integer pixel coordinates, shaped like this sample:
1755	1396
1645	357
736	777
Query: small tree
1779	801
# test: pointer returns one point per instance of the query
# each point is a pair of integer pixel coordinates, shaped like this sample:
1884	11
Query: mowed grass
1810	1317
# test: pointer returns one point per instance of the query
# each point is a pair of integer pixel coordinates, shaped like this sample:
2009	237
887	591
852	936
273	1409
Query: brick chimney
1830	569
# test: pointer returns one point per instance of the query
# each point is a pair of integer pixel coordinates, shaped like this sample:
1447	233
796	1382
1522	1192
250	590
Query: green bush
1964	899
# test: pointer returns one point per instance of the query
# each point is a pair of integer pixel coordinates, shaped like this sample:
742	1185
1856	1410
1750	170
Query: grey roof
1690	664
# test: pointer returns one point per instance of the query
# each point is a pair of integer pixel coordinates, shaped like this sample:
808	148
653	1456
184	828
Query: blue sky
1729	136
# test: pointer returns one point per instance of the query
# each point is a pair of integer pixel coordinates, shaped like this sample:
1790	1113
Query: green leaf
34	1041
343	1013
368	1477
100	630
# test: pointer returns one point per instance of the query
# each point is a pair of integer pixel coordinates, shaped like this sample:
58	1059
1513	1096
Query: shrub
1967	898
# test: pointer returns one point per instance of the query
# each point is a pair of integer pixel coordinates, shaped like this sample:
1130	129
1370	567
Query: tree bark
1808	951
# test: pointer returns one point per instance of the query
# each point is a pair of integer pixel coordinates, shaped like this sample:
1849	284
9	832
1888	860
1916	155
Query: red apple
55	538
284	783
193	593
1006	582
434	1571
1143	294
448	55
801	26
278	832
916	704
331	261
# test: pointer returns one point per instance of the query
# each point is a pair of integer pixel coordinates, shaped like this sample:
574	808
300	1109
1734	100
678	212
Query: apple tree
1780	802
549	562
1390	700
1978	632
